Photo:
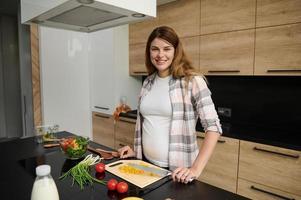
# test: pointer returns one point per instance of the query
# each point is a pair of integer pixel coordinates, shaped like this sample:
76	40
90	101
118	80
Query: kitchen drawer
221	169
261	192
124	132
103	129
271	166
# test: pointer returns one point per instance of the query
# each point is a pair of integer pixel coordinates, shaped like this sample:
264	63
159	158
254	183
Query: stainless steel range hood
86	15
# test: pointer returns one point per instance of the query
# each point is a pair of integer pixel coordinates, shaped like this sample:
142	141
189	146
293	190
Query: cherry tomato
100	176
100	167
111	184
122	187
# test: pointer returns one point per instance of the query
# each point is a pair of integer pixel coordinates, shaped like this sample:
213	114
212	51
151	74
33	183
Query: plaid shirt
187	106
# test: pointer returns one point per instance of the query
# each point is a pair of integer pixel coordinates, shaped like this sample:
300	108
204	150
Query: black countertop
270	135
21	156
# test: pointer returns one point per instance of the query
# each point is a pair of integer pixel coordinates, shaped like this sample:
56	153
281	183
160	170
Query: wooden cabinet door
137	59
276	12
124	132
221	169
191	46
229	53
278	50
139	32
271	166
182	15
261	192
103	129
227	15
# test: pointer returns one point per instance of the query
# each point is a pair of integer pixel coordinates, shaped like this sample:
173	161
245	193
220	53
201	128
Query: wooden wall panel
34	40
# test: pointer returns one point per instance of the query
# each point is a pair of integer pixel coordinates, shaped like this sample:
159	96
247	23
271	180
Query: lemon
132	198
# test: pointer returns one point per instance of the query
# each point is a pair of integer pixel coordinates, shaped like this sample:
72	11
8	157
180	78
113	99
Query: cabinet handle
219	141
284	70
123	120
140	72
224	71
103	108
102	116
270	193
278	153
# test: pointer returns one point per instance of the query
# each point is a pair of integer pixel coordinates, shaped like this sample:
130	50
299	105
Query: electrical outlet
226	112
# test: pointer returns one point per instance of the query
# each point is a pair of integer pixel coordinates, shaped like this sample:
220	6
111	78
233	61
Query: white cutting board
139	180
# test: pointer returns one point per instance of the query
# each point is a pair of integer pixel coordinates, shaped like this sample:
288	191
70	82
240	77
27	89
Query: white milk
44	187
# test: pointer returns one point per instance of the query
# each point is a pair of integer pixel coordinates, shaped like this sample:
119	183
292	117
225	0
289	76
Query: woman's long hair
181	66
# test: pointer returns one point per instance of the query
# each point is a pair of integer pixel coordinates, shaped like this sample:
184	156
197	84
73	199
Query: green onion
80	173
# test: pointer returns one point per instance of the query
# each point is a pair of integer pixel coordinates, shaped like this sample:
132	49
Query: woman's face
161	55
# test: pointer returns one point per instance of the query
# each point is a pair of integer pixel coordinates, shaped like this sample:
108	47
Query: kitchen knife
153	170
156	171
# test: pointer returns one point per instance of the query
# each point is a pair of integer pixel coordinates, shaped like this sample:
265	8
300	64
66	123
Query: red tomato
100	176
122	187
111	184
100	167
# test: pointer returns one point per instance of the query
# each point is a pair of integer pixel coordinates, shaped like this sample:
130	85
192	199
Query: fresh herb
80	173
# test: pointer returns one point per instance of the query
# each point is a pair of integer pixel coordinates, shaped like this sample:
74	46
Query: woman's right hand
126	152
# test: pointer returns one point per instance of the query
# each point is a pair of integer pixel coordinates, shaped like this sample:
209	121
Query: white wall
65	80
81	70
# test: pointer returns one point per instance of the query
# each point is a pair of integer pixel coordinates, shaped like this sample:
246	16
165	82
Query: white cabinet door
109	64
101	61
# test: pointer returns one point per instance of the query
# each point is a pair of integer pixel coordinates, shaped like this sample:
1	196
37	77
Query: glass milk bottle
44	187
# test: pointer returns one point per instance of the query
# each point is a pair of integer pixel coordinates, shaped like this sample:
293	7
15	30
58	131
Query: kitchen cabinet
109	65
261	192
270	166
137	59
139	32
182	15
103	129
124	132
192	49
230	53
102	67
221	169
224	15
275	12
278	50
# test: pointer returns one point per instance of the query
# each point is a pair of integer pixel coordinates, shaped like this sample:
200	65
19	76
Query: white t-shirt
157	112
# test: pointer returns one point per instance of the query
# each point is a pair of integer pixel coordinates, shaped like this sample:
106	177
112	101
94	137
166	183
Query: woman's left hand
183	175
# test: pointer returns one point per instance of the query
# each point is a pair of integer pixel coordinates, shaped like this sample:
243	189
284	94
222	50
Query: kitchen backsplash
265	100
264	109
